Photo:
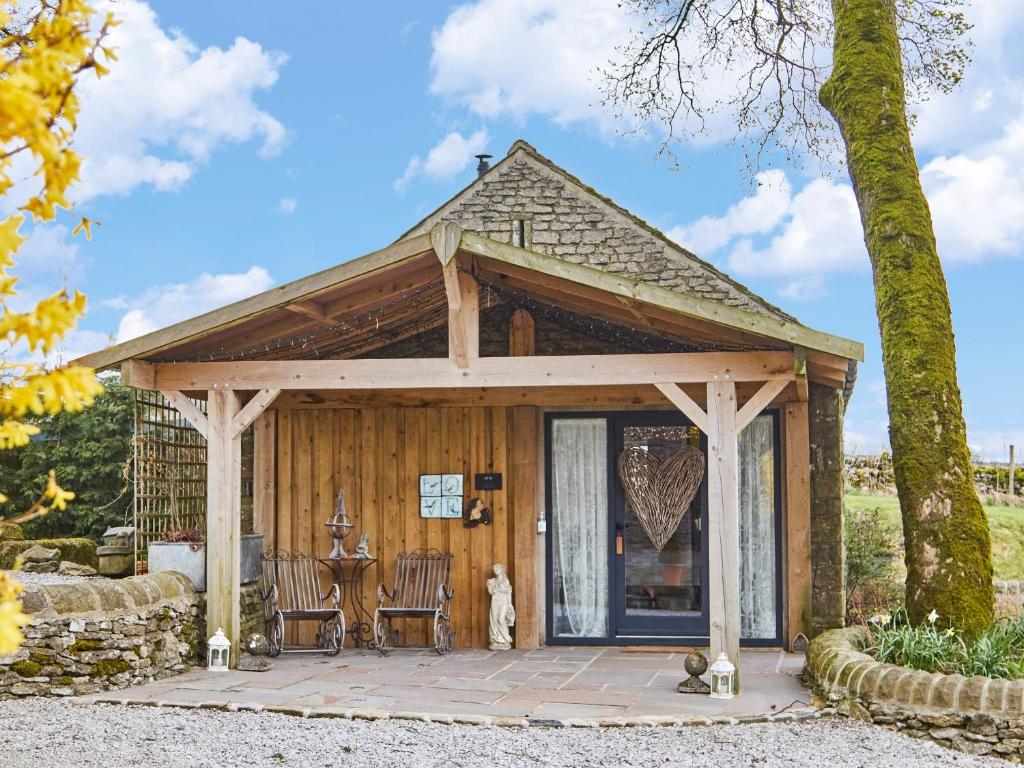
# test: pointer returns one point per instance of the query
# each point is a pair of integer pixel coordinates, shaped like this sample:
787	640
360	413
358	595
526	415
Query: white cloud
287	205
166	105
163	305
446	160
752	215
502	58
804	288
990	94
977	199
819	232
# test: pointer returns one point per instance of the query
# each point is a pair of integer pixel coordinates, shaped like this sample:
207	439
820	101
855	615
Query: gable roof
521	150
351	285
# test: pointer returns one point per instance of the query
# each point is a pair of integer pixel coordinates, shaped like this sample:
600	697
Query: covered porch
549	686
341	381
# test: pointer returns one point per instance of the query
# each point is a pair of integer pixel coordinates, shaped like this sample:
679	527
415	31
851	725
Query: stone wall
100	634
828	561
563	217
978	715
76	550
251	619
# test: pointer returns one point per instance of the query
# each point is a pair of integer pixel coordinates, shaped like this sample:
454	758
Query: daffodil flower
950	632
933	616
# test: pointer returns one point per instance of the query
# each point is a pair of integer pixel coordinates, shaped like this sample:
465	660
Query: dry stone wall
102	634
977	715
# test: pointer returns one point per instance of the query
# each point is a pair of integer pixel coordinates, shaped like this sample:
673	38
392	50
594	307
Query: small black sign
487	481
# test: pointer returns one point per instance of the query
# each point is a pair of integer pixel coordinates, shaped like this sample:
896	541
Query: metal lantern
723	678
218	651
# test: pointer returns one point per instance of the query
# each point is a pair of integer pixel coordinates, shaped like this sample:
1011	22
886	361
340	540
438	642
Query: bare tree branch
757	66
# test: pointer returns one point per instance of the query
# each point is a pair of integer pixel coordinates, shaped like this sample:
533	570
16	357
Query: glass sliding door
658	593
758	509
578	492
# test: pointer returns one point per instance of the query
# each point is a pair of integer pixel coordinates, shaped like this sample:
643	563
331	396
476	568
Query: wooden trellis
170	471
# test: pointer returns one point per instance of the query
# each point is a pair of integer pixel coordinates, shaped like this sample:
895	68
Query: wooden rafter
615	295
616	284
567	370
314	310
275	298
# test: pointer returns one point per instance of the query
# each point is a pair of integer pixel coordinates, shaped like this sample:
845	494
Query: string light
424	309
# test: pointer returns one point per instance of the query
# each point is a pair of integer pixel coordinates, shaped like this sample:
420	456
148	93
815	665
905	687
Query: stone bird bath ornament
659	491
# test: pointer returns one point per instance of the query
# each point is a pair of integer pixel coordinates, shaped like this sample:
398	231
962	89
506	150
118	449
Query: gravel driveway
58	734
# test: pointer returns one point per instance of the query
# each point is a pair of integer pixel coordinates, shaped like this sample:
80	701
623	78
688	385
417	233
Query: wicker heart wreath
660	491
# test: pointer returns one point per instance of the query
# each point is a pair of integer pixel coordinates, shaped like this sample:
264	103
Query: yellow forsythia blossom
44	48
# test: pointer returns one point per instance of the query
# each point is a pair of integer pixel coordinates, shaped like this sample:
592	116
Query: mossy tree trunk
948	552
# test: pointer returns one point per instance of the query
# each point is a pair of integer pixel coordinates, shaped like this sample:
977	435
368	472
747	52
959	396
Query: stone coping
497	721
105	598
842	672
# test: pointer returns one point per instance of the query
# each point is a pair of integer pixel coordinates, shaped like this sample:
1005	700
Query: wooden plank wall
377	455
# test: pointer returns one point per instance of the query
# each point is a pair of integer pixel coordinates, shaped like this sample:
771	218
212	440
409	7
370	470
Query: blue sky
239	145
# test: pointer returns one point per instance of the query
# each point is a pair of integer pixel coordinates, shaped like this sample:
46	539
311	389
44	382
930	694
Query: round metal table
350	580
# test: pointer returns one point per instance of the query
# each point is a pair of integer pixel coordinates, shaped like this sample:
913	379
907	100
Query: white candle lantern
723	678
218	651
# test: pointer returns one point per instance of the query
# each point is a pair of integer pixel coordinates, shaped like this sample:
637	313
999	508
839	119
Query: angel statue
503	615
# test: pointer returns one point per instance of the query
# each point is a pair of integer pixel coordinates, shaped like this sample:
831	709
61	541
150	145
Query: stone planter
978	715
189	558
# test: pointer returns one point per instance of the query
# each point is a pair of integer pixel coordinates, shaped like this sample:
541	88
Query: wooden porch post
723	523
223	516
798	522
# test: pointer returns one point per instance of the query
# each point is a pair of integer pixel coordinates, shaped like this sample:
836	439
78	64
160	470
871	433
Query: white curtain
579	489
757	529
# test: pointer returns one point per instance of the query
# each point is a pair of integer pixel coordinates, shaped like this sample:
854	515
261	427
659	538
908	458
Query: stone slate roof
563	217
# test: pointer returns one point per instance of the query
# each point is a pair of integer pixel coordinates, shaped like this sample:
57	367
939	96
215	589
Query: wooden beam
723	523
188	409
264	480
223	518
463	315
757	403
562	370
247	415
685	403
522	338
314	310
138	374
800	369
280	296
524	529
762	324
798	521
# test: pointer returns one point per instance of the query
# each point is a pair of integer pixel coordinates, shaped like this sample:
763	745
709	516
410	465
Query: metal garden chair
420	592
291	592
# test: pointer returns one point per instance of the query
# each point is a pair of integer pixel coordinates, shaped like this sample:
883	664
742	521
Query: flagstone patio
601	685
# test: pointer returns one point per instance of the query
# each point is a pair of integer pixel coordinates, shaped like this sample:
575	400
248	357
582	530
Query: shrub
873	550
998	651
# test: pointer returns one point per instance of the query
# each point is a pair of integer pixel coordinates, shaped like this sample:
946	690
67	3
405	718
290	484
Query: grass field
1005	523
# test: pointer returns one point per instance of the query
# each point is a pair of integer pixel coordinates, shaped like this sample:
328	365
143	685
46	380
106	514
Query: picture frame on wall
441	496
